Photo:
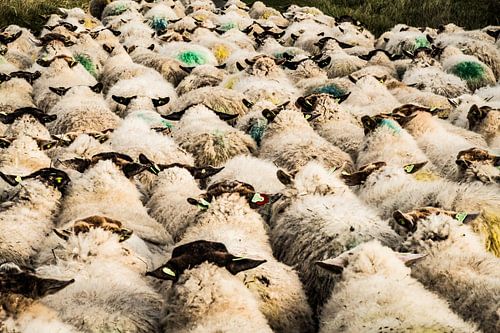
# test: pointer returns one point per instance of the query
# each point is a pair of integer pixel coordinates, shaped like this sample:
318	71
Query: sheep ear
157	102
4	77
163	273
237	264
239	66
205	172
97	88
334	265
408	54
108	48
122	100
325	62
410	258
63	234
60	91
4	143
412	168
476	115
247	103
404	220
10	179
284	177
78	164
133	169
466	218
175	116
187	69
357	178
454	102
342	98
269	115
304	103
369	124
35	287
200	203
226	116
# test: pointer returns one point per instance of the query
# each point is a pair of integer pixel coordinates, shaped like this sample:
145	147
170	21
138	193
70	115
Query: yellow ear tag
409	168
168	271
203	204
345	173
18	179
238	259
460	217
59	179
307	116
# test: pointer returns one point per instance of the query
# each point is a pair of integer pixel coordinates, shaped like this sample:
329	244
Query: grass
381	15
28	13
377	15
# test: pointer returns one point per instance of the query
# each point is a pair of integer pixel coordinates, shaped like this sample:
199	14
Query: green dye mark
468	70
192	58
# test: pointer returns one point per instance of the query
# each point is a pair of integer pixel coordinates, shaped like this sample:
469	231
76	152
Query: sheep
478	164
222	100
227	304
370	97
16	90
387	188
21	309
134	138
27	121
427	75
468	68
440	145
190	55
200	76
210	140
27	214
229	219
169	68
94	193
76	116
23	156
129	95
373	275
456	266
283	145
341	63
385	140
101	299
168	201
336	124
261	174
318	205
486	121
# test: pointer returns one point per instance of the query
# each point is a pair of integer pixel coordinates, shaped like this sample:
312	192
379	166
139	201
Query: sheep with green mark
117	8
191	55
468	68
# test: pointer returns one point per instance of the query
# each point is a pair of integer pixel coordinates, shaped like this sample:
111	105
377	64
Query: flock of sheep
191	166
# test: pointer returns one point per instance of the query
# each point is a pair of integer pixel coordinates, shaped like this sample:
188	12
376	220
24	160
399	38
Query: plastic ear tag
260	199
345	173
168	271
460	217
203	204
238	259
154	169
18	179
307	116
409	168
59	179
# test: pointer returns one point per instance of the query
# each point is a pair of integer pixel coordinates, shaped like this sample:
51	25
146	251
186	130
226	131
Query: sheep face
477	164
189	255
429	225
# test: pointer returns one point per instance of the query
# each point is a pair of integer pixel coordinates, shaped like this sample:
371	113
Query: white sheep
319	206
209	139
457	267
290	143
373	275
204	269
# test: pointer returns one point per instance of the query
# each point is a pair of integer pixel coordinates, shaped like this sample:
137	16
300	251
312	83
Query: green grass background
377	15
